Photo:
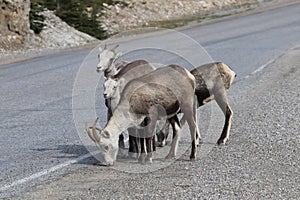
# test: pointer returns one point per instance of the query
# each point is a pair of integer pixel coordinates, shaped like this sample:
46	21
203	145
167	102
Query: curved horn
95	135
87	128
115	47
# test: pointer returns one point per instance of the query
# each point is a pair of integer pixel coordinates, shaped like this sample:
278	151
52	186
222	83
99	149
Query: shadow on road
71	151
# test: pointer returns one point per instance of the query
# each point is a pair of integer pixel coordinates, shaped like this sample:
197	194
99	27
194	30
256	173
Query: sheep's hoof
133	156
200	141
192	158
123	153
221	142
170	156
149	157
149	160
160	144
145	158
142	159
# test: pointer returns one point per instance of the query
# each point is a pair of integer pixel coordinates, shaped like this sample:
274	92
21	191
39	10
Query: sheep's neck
117	124
115	100
110	71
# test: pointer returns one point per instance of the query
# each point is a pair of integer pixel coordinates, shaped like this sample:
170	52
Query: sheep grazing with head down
159	94
113	87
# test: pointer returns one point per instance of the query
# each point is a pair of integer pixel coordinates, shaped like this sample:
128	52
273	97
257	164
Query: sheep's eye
106	147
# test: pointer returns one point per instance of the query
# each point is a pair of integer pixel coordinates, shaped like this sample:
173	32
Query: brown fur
182	71
148	96
213	80
152	94
225	74
129	67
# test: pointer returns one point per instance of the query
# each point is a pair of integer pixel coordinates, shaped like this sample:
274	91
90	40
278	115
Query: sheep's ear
119	54
121	81
105	134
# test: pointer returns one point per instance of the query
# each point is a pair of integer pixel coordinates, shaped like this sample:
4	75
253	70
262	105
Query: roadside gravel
261	160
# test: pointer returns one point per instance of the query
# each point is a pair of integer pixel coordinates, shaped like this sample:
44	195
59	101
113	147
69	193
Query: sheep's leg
122	153
142	157
149	133
226	129
153	143
183	120
162	135
149	146
176	135
195	106
133	143
222	102
146	150
190	118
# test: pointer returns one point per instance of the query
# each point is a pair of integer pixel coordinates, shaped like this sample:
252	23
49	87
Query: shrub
74	13
35	19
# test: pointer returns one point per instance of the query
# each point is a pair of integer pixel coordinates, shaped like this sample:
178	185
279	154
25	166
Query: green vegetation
80	14
36	20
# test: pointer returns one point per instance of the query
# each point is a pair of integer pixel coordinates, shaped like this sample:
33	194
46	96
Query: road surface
41	146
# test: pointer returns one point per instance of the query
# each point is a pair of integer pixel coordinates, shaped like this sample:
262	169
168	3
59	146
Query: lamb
159	94
213	80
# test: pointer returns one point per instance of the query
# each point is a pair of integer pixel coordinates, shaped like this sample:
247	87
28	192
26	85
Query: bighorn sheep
106	61
113	88
157	95
115	84
107	65
213	80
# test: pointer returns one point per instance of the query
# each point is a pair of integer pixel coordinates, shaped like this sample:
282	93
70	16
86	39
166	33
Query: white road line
60	166
46	171
264	66
272	60
261	67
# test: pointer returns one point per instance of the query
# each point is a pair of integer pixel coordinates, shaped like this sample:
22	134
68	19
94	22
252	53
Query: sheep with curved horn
93	135
113	87
106	64
171	88
115	47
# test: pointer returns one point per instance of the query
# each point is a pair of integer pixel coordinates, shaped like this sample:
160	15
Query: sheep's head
227	75
106	58
230	77
107	146
111	87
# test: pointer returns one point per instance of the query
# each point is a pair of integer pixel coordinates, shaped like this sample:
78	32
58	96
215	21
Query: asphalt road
39	139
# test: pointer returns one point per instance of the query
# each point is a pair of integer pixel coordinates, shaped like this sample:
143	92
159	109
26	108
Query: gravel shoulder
261	160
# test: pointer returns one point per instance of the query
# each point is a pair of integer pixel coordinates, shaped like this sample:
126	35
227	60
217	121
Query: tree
74	12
